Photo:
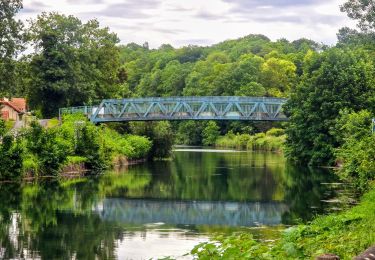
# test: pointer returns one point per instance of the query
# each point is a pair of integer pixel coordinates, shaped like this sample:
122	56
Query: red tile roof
18	104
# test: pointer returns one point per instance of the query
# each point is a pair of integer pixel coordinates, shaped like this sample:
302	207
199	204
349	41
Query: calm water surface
160	209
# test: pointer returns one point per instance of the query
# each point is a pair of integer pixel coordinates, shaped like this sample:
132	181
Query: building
12	109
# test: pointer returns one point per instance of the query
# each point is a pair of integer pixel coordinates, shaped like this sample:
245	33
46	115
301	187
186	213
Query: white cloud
204	22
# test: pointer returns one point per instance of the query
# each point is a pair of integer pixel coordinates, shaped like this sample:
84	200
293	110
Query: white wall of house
13	114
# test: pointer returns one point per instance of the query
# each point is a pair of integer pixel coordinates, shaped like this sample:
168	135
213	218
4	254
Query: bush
210	133
44	151
161	135
345	234
141	146
43	144
275	132
358	150
273	140
11	153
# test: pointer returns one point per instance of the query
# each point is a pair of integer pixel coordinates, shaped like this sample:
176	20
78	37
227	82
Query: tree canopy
334	80
11	42
74	63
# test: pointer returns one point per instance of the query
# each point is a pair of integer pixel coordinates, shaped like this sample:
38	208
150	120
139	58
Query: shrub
11	153
358	150
273	140
275	132
44	145
210	133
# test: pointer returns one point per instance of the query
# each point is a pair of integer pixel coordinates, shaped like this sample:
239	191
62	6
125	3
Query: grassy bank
272	140
36	151
345	234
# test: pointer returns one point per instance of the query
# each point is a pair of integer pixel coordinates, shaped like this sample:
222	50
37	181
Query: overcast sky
203	22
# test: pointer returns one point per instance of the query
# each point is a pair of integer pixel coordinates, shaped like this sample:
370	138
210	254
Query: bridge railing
85	110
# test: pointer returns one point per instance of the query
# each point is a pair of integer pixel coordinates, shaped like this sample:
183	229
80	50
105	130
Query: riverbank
273	140
70	149
346	234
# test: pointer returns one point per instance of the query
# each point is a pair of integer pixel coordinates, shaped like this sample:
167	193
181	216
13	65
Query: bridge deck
185	108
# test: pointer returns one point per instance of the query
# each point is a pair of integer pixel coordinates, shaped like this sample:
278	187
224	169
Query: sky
203	22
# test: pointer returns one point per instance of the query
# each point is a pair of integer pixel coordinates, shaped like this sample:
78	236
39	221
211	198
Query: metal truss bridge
184	108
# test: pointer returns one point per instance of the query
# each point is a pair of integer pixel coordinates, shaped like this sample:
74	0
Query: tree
11	42
252	89
201	81
210	133
10	155
49	152
161	135
189	132
358	149
278	76
73	63
333	80
363	11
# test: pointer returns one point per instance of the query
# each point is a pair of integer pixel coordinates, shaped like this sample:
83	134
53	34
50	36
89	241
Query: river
160	208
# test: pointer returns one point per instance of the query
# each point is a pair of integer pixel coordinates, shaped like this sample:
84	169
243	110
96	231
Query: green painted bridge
184	108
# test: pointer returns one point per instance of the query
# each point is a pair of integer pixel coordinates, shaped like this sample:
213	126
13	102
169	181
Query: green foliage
54	122
74	63
9	125
345	234
275	132
362	11
267	142
30	165
42	151
333	80
210	133
249	66
162	139
10	158
189	133
358	150
11	153
236	246
11	40
89	146
161	135
101	145
130	146
140	146
43	144
75	159
272	140
278	76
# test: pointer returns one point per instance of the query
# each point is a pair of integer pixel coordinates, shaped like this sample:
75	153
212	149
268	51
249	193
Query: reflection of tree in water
56	219
10	195
75	236
304	192
51	221
131	185
214	176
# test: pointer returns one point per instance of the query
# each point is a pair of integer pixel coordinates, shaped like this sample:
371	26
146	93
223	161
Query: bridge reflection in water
191	212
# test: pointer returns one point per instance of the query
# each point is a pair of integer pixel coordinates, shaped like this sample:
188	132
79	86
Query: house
12	109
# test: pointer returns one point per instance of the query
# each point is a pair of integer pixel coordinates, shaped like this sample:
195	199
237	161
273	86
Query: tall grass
272	140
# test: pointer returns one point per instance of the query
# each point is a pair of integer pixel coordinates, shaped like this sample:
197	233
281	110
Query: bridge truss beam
189	108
